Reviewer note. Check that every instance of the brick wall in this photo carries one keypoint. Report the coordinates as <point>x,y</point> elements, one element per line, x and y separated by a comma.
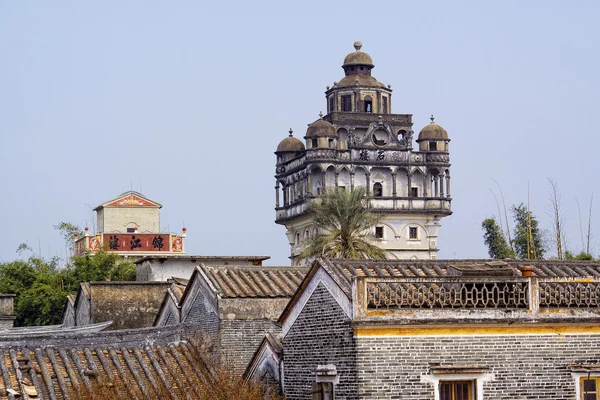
<point>241,338</point>
<point>320,335</point>
<point>523,367</point>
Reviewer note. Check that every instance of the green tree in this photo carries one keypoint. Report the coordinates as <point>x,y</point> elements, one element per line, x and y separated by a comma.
<point>344,225</point>
<point>581,256</point>
<point>41,287</point>
<point>99,266</point>
<point>528,243</point>
<point>494,239</point>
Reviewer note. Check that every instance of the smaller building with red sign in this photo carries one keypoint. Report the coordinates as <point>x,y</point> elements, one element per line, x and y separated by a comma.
<point>130,226</point>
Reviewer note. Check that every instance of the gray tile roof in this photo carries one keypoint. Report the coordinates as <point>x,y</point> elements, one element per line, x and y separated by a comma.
<point>254,282</point>
<point>64,373</point>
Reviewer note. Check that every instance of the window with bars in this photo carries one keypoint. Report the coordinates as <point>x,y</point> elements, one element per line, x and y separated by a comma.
<point>590,388</point>
<point>346,102</point>
<point>412,232</point>
<point>322,391</point>
<point>384,105</point>
<point>456,390</point>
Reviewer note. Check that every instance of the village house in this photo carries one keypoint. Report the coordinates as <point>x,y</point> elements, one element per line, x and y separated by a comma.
<point>443,330</point>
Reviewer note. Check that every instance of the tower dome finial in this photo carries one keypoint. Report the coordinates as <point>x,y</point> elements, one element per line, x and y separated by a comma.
<point>320,114</point>
<point>291,132</point>
<point>432,118</point>
<point>358,45</point>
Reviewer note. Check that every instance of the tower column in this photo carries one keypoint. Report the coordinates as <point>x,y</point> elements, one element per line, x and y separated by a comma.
<point>277,195</point>
<point>426,185</point>
<point>436,181</point>
<point>442,179</point>
<point>368,183</point>
<point>323,181</point>
<point>394,184</point>
<point>409,184</point>
<point>351,180</point>
<point>448,185</point>
<point>336,181</point>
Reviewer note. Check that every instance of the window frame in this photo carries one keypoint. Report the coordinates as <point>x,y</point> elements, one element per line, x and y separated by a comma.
<point>379,232</point>
<point>377,189</point>
<point>478,379</point>
<point>471,385</point>
<point>580,378</point>
<point>414,229</point>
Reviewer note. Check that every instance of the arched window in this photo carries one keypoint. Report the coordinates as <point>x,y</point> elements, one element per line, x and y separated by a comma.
<point>377,190</point>
<point>368,104</point>
<point>297,238</point>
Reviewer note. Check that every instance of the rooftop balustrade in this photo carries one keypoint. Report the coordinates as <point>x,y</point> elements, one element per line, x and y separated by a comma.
<point>478,297</point>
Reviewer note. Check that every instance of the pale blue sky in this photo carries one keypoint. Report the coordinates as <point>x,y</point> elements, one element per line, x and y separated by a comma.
<point>189,99</point>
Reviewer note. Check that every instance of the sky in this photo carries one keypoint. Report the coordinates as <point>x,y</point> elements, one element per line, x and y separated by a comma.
<point>186,102</point>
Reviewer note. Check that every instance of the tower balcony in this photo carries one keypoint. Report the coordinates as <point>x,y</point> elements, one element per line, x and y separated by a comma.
<point>413,205</point>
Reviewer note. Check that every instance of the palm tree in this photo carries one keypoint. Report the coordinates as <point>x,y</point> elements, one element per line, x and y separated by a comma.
<point>344,225</point>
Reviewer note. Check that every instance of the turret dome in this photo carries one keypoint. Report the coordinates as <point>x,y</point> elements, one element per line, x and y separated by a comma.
<point>358,57</point>
<point>290,145</point>
<point>433,131</point>
<point>320,128</point>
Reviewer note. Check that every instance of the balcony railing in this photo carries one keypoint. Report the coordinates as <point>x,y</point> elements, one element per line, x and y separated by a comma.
<point>519,297</point>
<point>455,294</point>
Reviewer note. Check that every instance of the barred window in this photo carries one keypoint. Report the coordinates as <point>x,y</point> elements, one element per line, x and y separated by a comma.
<point>322,391</point>
<point>590,388</point>
<point>456,390</point>
<point>347,103</point>
<point>412,232</point>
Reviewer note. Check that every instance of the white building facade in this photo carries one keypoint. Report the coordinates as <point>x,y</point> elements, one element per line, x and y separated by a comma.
<point>360,142</point>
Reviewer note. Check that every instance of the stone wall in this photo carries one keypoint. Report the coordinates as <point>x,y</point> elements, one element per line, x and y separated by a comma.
<point>520,366</point>
<point>128,304</point>
<point>320,335</point>
<point>240,339</point>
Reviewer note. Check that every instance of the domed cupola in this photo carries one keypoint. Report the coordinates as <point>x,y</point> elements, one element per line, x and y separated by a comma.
<point>358,91</point>
<point>321,134</point>
<point>433,138</point>
<point>358,62</point>
<point>289,148</point>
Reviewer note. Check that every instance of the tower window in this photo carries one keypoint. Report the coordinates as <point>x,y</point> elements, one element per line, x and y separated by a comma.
<point>412,232</point>
<point>414,192</point>
<point>432,146</point>
<point>384,105</point>
<point>379,232</point>
<point>331,143</point>
<point>377,190</point>
<point>331,104</point>
<point>368,104</point>
<point>314,143</point>
<point>347,102</point>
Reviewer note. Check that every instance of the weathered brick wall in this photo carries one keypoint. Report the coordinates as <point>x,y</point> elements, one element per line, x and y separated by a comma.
<point>320,335</point>
<point>241,338</point>
<point>523,367</point>
<point>205,319</point>
<point>83,311</point>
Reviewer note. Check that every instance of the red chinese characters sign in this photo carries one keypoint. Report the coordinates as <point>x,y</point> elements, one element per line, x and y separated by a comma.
<point>136,242</point>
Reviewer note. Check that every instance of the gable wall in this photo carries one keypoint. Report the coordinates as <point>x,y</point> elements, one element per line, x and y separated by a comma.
<point>115,219</point>
<point>240,339</point>
<point>320,335</point>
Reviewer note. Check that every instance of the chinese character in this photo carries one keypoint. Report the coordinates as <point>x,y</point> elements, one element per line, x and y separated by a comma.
<point>157,242</point>
<point>113,243</point>
<point>380,155</point>
<point>134,243</point>
<point>364,155</point>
